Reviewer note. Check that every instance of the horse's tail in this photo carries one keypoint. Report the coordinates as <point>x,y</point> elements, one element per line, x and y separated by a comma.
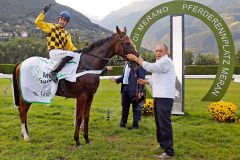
<point>15,85</point>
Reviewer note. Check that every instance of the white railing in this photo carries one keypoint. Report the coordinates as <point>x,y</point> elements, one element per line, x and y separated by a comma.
<point>235,77</point>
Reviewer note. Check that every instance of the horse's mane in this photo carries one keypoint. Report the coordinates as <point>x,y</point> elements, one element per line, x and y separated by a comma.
<point>96,44</point>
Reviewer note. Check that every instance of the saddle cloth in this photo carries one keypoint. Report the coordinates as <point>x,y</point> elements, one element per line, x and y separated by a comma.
<point>35,83</point>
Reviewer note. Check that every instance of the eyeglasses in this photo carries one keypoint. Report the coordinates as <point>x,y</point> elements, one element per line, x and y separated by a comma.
<point>159,50</point>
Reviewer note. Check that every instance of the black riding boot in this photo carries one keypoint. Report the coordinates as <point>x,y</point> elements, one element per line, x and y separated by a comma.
<point>59,67</point>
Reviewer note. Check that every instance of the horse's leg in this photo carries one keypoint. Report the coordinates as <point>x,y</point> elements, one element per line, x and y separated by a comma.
<point>23,106</point>
<point>86,118</point>
<point>23,109</point>
<point>79,109</point>
<point>74,120</point>
<point>82,124</point>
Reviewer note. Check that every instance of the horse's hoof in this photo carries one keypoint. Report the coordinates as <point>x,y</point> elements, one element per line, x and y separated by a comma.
<point>27,139</point>
<point>80,146</point>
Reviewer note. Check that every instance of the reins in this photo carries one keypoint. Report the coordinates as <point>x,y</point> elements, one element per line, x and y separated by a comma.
<point>103,58</point>
<point>108,59</point>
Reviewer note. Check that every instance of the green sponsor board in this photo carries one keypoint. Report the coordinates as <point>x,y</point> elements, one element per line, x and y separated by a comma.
<point>215,23</point>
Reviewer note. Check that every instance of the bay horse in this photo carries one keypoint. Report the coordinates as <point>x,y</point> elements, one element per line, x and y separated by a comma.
<point>94,57</point>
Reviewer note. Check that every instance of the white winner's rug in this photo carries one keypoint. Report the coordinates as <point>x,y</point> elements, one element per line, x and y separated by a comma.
<point>37,86</point>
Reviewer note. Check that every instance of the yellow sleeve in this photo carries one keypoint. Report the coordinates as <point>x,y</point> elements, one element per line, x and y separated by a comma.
<point>70,46</point>
<point>46,27</point>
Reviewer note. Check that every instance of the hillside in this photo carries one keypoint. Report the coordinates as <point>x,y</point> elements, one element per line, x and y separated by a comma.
<point>199,37</point>
<point>15,14</point>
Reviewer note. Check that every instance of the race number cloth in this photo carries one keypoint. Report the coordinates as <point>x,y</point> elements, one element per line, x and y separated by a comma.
<point>35,82</point>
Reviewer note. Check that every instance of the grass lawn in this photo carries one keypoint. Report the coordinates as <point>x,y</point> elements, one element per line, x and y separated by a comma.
<point>196,135</point>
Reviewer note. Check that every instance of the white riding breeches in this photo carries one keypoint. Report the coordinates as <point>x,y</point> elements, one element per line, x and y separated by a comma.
<point>58,54</point>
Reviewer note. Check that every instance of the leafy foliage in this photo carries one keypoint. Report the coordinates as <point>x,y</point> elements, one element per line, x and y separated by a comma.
<point>188,57</point>
<point>209,59</point>
<point>201,69</point>
<point>18,49</point>
<point>238,58</point>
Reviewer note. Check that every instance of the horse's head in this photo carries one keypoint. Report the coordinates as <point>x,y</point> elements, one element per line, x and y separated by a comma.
<point>104,49</point>
<point>124,45</point>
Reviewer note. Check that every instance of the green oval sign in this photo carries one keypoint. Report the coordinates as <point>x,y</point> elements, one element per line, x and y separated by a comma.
<point>214,22</point>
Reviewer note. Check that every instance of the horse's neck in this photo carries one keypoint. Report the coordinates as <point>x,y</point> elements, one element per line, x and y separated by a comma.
<point>98,63</point>
<point>104,51</point>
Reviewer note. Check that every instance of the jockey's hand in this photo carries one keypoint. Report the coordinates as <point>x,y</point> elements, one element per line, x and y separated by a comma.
<point>78,51</point>
<point>46,8</point>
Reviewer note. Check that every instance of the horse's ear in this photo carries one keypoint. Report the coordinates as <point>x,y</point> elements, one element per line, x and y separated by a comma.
<point>118,30</point>
<point>125,30</point>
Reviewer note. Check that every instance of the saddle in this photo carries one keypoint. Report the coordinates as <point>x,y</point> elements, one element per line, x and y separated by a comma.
<point>35,82</point>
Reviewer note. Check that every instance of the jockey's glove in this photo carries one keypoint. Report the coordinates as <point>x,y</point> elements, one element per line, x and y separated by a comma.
<point>46,8</point>
<point>78,51</point>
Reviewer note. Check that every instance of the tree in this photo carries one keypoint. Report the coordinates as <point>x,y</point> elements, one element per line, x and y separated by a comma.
<point>210,59</point>
<point>238,58</point>
<point>18,49</point>
<point>188,57</point>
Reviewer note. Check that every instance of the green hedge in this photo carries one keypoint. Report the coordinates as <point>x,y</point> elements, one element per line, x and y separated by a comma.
<point>6,68</point>
<point>205,70</point>
<point>201,69</point>
<point>237,70</point>
<point>118,70</point>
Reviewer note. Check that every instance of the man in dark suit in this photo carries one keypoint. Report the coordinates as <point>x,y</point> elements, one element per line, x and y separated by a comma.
<point>132,92</point>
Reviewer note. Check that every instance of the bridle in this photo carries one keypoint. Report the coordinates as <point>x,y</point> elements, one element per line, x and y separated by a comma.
<point>125,48</point>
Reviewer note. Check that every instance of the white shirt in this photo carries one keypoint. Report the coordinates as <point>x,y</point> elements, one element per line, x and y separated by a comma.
<point>126,74</point>
<point>163,77</point>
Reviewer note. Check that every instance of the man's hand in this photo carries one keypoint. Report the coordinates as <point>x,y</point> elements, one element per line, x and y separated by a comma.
<point>142,81</point>
<point>112,79</point>
<point>132,57</point>
<point>46,8</point>
<point>135,58</point>
<point>109,68</point>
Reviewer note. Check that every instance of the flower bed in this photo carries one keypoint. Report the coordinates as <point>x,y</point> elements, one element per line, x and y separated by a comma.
<point>223,111</point>
<point>148,107</point>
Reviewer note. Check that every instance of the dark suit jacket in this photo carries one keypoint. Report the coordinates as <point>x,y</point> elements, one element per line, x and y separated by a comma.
<point>132,81</point>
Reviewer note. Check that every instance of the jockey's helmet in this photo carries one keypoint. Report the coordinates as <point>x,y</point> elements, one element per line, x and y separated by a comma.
<point>66,15</point>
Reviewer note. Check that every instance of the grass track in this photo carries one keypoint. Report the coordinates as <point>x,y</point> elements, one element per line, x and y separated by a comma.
<point>196,135</point>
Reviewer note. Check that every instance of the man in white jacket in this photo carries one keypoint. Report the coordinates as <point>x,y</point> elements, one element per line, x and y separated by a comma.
<point>163,88</point>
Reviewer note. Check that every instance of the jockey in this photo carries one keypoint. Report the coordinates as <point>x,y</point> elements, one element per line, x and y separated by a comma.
<point>59,41</point>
